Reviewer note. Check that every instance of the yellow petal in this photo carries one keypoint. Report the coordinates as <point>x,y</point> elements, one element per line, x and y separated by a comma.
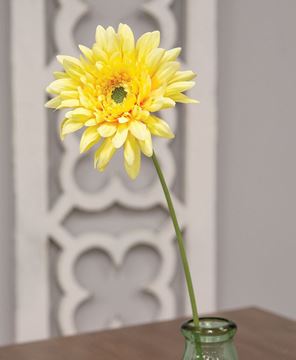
<point>183,76</point>
<point>99,65</point>
<point>154,104</point>
<point>60,85</point>
<point>126,37</point>
<point>158,92</point>
<point>172,54</point>
<point>89,138</point>
<point>120,136</point>
<point>101,37</point>
<point>107,129</point>
<point>129,152</point>
<point>99,53</point>
<point>79,114</point>
<point>104,154</point>
<point>53,103</point>
<point>168,103</point>
<point>60,75</point>
<point>72,69</point>
<point>138,113</point>
<point>85,100</point>
<point>159,104</point>
<point>123,120</point>
<point>90,122</point>
<point>116,56</point>
<point>146,43</point>
<point>71,103</point>
<point>177,87</point>
<point>166,71</point>
<point>68,126</point>
<point>145,87</point>
<point>146,146</point>
<point>112,43</point>
<point>183,99</point>
<point>72,59</point>
<point>69,94</point>
<point>133,170</point>
<point>87,52</point>
<point>138,129</point>
<point>159,127</point>
<point>132,157</point>
<point>61,128</point>
<point>153,59</point>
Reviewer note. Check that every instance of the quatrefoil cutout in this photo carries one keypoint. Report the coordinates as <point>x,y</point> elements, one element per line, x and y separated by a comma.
<point>117,293</point>
<point>158,286</point>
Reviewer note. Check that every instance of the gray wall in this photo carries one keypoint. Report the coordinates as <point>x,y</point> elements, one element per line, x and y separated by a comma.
<point>6,187</point>
<point>256,167</point>
<point>256,154</point>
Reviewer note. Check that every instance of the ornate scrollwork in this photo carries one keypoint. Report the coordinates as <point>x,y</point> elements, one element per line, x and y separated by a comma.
<point>115,191</point>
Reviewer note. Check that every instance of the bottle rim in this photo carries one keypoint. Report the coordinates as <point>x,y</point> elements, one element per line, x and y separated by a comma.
<point>211,327</point>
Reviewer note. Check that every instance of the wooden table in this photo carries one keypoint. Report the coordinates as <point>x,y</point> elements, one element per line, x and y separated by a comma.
<point>261,336</point>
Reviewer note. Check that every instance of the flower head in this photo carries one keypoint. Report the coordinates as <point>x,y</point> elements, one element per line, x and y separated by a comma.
<point>114,89</point>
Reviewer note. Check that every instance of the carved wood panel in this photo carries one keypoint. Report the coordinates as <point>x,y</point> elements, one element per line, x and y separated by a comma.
<point>80,234</point>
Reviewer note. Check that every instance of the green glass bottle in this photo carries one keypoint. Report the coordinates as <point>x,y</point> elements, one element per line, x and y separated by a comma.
<point>215,338</point>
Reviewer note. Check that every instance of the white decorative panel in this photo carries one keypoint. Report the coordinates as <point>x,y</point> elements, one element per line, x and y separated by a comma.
<point>97,250</point>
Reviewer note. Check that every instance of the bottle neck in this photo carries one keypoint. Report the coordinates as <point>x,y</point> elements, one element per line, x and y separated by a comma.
<point>212,330</point>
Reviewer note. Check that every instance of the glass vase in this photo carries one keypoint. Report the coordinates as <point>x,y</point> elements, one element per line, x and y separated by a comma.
<point>214,338</point>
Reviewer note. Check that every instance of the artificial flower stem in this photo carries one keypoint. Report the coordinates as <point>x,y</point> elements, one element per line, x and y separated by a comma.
<point>180,241</point>
<point>184,259</point>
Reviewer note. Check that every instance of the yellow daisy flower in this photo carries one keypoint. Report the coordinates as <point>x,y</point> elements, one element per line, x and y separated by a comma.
<point>113,91</point>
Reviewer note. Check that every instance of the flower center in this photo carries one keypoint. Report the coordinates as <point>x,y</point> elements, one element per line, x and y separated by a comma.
<point>119,94</point>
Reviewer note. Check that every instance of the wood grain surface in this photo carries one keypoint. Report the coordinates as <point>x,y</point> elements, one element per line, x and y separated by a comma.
<point>261,336</point>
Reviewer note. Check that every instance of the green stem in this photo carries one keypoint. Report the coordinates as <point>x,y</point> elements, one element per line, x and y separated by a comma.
<point>180,241</point>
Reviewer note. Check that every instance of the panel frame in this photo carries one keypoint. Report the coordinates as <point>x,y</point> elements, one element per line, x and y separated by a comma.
<point>201,148</point>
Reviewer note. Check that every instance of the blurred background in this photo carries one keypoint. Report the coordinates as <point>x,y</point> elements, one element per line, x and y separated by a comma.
<point>82,251</point>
